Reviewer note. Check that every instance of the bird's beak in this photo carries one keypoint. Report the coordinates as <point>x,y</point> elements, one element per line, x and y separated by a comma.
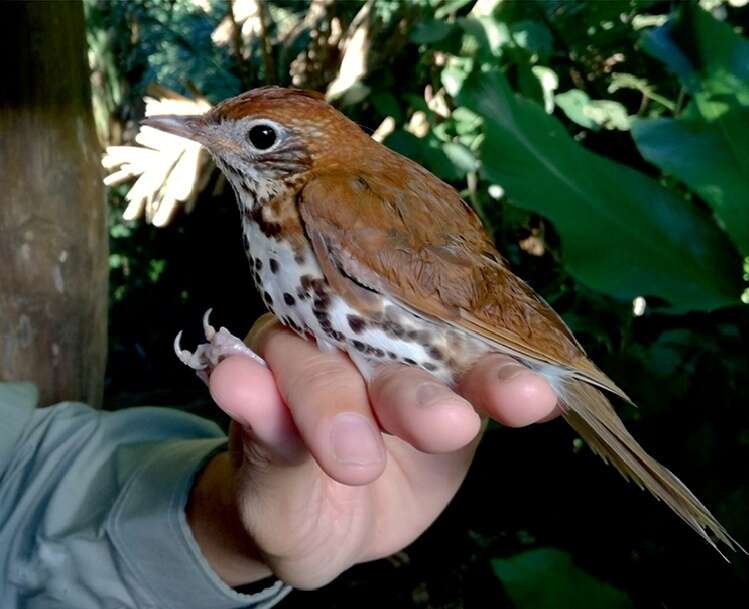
<point>190,126</point>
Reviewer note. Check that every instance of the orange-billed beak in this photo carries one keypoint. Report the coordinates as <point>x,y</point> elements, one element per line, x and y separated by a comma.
<point>190,126</point>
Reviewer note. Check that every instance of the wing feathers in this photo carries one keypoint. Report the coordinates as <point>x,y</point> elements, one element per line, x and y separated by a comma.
<point>588,411</point>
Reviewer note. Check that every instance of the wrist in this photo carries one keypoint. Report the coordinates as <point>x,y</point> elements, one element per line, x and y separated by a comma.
<point>213,516</point>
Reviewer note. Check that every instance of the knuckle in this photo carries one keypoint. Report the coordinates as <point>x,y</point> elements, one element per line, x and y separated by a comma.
<point>323,376</point>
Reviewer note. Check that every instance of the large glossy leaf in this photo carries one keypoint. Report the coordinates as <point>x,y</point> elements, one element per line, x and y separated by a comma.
<point>712,158</point>
<point>706,54</point>
<point>622,232</point>
<point>546,578</point>
<point>708,147</point>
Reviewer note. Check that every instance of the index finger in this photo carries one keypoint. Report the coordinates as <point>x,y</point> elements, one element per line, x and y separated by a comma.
<point>328,401</point>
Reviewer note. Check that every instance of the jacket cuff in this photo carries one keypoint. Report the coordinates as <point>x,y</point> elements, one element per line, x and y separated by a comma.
<point>149,530</point>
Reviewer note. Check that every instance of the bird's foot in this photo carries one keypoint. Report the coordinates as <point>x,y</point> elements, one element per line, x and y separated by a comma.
<point>221,344</point>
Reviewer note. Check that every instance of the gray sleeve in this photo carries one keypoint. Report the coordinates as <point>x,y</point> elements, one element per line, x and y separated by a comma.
<point>92,509</point>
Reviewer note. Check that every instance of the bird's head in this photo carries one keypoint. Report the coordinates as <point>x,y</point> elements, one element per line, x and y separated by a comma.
<point>264,139</point>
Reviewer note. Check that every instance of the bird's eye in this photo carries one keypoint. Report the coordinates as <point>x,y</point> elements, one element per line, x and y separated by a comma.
<point>262,137</point>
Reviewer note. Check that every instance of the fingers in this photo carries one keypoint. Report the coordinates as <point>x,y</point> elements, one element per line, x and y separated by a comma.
<point>328,401</point>
<point>318,402</point>
<point>412,405</point>
<point>508,392</point>
<point>247,392</point>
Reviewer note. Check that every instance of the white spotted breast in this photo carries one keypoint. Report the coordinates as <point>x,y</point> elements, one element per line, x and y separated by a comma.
<point>294,289</point>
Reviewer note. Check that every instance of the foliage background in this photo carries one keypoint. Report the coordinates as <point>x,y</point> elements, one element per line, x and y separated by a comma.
<point>605,144</point>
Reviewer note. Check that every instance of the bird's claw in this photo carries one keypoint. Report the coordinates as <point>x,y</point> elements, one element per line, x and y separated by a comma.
<point>208,329</point>
<point>220,345</point>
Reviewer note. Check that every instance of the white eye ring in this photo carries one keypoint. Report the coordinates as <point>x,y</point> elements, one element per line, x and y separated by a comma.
<point>263,135</point>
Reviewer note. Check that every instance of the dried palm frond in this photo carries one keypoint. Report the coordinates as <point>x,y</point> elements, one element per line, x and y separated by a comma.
<point>170,170</point>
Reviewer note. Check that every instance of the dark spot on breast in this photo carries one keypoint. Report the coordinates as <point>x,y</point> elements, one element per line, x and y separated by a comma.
<point>356,323</point>
<point>429,366</point>
<point>258,264</point>
<point>434,353</point>
<point>409,361</point>
<point>392,355</point>
<point>245,241</point>
<point>359,346</point>
<point>268,299</point>
<point>376,352</point>
<point>273,265</point>
<point>393,329</point>
<point>301,293</point>
<point>299,258</point>
<point>288,299</point>
<point>268,228</point>
<point>336,335</point>
<point>412,335</point>
<point>321,302</point>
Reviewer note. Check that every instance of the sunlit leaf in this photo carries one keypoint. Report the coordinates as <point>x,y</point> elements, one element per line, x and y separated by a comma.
<point>533,36</point>
<point>592,113</point>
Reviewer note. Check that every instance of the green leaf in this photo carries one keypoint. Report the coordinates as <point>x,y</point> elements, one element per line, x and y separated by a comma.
<point>573,104</point>
<point>592,113</point>
<point>461,157</point>
<point>712,158</point>
<point>386,104</point>
<point>533,36</point>
<point>549,82</point>
<point>490,34</point>
<point>449,7</point>
<point>706,54</point>
<point>426,151</point>
<point>546,578</point>
<point>430,31</point>
<point>622,233</point>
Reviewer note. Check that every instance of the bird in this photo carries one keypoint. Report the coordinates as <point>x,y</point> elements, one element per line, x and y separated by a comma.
<point>360,249</point>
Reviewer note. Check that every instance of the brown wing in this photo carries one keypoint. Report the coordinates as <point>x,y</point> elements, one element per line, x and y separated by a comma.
<point>418,242</point>
<point>421,244</point>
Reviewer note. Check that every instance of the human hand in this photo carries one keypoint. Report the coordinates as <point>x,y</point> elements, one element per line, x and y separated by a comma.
<point>323,472</point>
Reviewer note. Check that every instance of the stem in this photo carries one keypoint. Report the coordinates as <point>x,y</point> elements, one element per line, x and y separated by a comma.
<point>236,40</point>
<point>265,47</point>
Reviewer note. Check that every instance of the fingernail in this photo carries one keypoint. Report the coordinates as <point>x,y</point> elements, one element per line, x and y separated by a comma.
<point>429,393</point>
<point>510,371</point>
<point>354,440</point>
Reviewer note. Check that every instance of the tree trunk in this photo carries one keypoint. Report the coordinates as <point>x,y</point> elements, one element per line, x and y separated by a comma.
<point>53,238</point>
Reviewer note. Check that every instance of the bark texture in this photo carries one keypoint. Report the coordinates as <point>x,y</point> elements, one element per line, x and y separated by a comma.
<point>53,238</point>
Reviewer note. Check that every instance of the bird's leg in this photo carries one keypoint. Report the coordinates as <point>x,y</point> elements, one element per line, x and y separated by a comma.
<point>221,344</point>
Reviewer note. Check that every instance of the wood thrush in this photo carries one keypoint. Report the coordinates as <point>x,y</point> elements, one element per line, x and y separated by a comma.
<point>363,250</point>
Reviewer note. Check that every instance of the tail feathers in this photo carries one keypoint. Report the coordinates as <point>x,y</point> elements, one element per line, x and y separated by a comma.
<point>590,413</point>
